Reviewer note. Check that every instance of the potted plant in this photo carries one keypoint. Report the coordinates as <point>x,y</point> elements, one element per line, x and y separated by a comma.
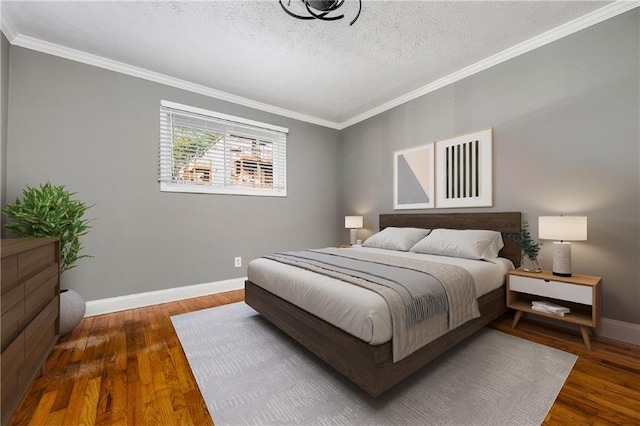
<point>530,249</point>
<point>50,211</point>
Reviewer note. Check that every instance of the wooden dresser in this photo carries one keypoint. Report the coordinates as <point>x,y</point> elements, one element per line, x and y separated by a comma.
<point>30,307</point>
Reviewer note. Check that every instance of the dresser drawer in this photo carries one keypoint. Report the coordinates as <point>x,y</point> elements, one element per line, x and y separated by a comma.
<point>553,289</point>
<point>12,361</point>
<point>9,273</point>
<point>42,329</point>
<point>39,338</point>
<point>44,288</point>
<point>35,260</point>
<point>10,323</point>
<point>36,282</point>
<point>12,297</point>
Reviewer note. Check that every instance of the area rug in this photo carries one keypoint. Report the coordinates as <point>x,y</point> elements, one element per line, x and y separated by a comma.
<point>249,372</point>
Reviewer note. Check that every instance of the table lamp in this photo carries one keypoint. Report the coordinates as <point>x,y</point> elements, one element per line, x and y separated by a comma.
<point>562,229</point>
<point>353,223</point>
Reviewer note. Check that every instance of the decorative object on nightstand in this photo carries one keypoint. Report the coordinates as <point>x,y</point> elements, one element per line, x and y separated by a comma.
<point>550,308</point>
<point>576,299</point>
<point>353,223</point>
<point>564,229</point>
<point>530,249</point>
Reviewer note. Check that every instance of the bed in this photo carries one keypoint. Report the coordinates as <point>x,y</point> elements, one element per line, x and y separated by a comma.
<point>371,365</point>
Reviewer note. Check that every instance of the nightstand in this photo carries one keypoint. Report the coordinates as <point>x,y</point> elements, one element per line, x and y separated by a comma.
<point>581,293</point>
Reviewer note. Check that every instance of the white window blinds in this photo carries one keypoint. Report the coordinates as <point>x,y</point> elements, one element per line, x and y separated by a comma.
<point>204,151</point>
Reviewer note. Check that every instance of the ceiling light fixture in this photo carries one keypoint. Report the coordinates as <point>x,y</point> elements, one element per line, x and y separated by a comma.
<point>320,9</point>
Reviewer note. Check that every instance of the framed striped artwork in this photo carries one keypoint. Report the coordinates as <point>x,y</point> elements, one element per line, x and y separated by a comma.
<point>413,178</point>
<point>464,170</point>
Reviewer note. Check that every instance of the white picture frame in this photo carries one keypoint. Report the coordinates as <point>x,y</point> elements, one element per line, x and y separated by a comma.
<point>464,170</point>
<point>414,178</point>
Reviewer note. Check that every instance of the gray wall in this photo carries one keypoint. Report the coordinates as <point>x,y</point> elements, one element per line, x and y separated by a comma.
<point>4,108</point>
<point>96,132</point>
<point>566,141</point>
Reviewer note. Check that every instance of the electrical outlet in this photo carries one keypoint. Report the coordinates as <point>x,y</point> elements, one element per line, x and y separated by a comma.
<point>238,262</point>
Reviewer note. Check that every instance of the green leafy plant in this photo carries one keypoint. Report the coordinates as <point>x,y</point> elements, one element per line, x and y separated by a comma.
<point>527,244</point>
<point>50,211</point>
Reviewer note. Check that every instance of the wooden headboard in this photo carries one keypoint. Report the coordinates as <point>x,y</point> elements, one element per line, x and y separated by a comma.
<point>508,223</point>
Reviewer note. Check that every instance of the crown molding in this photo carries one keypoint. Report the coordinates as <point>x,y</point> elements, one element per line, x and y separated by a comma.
<point>609,11</point>
<point>595,17</point>
<point>123,68</point>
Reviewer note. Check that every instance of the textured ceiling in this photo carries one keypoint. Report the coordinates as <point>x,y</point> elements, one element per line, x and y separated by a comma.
<point>327,70</point>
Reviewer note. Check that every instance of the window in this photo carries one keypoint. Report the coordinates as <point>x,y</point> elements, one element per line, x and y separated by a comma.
<point>209,152</point>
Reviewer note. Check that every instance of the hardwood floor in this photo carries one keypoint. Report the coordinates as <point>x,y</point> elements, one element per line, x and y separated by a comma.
<point>129,368</point>
<point>122,368</point>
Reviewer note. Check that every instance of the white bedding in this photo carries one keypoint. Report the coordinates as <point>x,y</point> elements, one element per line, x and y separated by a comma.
<point>356,310</point>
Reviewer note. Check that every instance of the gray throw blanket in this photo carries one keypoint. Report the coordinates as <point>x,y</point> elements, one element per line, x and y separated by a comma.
<point>422,293</point>
<point>457,282</point>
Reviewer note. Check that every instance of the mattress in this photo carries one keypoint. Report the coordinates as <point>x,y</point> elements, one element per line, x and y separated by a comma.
<point>356,310</point>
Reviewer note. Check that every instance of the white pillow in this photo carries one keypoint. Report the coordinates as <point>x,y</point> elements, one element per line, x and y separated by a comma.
<point>467,243</point>
<point>401,239</point>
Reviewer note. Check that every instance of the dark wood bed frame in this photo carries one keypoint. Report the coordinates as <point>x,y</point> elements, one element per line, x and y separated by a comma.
<point>372,367</point>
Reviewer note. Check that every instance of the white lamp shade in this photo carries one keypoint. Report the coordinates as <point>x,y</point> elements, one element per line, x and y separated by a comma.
<point>562,228</point>
<point>353,222</point>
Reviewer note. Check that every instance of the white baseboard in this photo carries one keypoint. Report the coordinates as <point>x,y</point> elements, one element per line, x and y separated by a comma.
<point>619,330</point>
<point>139,300</point>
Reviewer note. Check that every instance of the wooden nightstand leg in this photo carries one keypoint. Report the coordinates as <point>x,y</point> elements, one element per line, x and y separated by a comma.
<point>585,336</point>
<point>594,332</point>
<point>516,318</point>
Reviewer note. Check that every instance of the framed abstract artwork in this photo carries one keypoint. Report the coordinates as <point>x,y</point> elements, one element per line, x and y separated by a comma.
<point>413,178</point>
<point>464,170</point>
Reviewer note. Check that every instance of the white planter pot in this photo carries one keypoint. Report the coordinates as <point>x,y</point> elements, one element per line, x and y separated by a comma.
<point>72,309</point>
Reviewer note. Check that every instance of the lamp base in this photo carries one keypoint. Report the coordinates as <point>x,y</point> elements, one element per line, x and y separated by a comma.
<point>353,236</point>
<point>562,259</point>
